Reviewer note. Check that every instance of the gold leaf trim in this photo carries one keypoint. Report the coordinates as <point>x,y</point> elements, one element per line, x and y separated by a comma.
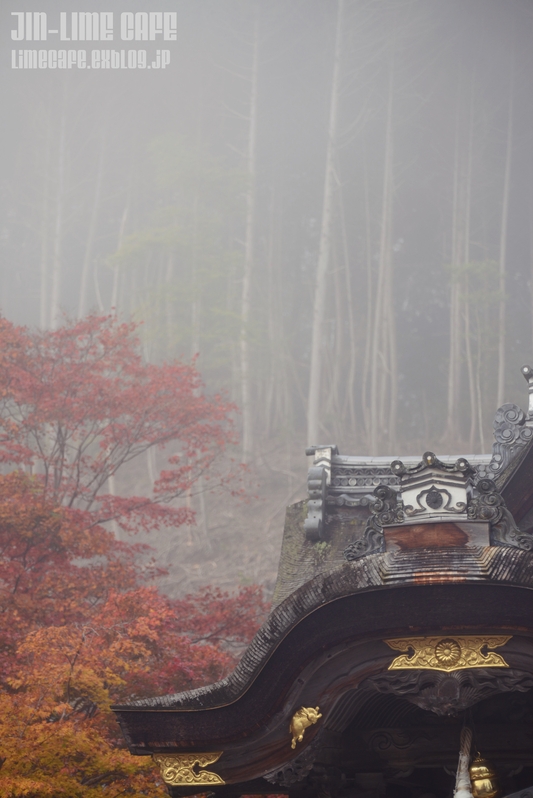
<point>179,769</point>
<point>448,653</point>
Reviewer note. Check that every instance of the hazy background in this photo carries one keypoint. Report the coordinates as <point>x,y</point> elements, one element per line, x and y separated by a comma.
<point>215,201</point>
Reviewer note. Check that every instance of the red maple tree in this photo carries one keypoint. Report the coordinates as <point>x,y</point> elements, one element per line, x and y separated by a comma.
<point>81,627</point>
<point>78,403</point>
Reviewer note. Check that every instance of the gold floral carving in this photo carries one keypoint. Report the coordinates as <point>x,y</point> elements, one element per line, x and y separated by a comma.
<point>448,653</point>
<point>180,769</point>
<point>301,720</point>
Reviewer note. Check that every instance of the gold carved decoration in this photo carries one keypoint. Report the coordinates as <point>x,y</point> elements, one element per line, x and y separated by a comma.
<point>179,769</point>
<point>448,653</point>
<point>301,720</point>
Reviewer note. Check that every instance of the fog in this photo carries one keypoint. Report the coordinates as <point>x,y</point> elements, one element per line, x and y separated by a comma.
<point>329,201</point>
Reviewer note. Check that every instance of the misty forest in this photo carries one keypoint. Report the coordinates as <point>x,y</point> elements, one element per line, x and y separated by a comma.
<point>314,226</point>
<point>328,206</point>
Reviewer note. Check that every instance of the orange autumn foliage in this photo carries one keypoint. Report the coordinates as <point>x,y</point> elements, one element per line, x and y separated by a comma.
<point>80,629</point>
<point>81,624</point>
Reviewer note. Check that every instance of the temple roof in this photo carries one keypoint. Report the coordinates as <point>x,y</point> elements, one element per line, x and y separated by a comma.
<point>384,550</point>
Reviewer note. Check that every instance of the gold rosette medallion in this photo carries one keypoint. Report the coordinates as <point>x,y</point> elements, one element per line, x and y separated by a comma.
<point>448,653</point>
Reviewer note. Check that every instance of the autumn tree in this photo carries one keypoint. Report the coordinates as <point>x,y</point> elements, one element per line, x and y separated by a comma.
<point>78,404</point>
<point>81,626</point>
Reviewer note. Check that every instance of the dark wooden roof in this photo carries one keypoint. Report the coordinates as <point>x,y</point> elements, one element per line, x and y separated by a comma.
<point>340,616</point>
<point>323,643</point>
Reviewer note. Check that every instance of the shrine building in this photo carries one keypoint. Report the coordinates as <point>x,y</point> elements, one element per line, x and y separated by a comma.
<point>397,660</point>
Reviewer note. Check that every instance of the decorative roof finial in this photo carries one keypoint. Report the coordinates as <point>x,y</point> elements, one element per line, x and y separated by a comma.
<point>527,371</point>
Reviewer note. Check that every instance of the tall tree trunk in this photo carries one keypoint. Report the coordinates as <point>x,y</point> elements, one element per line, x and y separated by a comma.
<point>324,249</point>
<point>382,361</point>
<point>97,292</point>
<point>503,250</point>
<point>45,222</point>
<point>273,318</point>
<point>349,397</point>
<point>195,287</point>
<point>246,399</point>
<point>196,310</point>
<point>89,243</point>
<point>479,357</point>
<point>166,304</point>
<point>454,360</point>
<point>336,362</point>
<point>117,267</point>
<point>58,226</point>
<point>392,393</point>
<point>470,372</point>
<point>196,305</point>
<point>530,185</point>
<point>466,278</point>
<point>365,400</point>
<point>460,256</point>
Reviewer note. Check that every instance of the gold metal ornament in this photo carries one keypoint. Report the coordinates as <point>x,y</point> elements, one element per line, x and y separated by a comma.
<point>448,653</point>
<point>483,779</point>
<point>301,720</point>
<point>179,769</point>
